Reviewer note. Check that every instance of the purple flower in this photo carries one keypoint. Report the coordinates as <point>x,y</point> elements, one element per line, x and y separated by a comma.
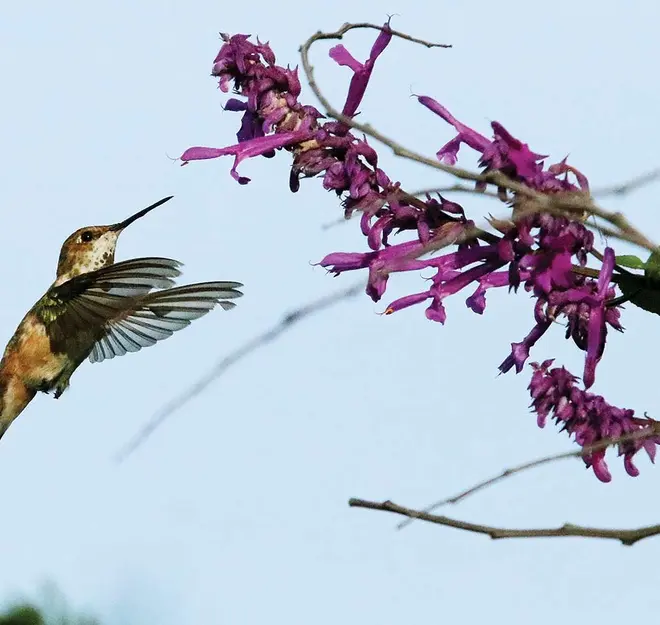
<point>507,154</point>
<point>380,264</point>
<point>588,417</point>
<point>246,149</point>
<point>544,246</point>
<point>271,104</point>
<point>449,152</point>
<point>584,304</point>
<point>361,71</point>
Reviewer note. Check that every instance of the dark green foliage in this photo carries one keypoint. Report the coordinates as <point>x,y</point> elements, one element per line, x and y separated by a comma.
<point>641,290</point>
<point>29,614</point>
<point>22,615</point>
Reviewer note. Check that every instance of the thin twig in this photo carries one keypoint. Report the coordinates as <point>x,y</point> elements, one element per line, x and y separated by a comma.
<point>455,188</point>
<point>629,186</point>
<point>539,202</point>
<point>287,322</point>
<point>339,34</point>
<point>333,224</point>
<point>581,204</point>
<point>651,431</point>
<point>624,536</point>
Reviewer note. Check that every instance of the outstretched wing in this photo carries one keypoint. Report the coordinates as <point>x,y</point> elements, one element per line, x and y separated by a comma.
<point>158,315</point>
<point>114,309</point>
<point>82,305</point>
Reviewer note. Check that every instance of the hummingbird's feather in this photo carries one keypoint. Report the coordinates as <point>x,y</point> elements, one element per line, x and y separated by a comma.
<point>158,315</point>
<point>127,278</point>
<point>83,304</point>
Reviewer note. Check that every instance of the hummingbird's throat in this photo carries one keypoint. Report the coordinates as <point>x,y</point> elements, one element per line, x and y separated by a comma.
<point>81,258</point>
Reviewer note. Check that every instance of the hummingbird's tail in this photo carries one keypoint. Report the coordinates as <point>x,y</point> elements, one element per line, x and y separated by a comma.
<point>159,314</point>
<point>15,395</point>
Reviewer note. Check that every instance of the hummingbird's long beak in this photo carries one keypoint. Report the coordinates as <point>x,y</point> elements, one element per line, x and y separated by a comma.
<point>127,222</point>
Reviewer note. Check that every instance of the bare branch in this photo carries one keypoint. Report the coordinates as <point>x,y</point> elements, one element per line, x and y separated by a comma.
<point>624,536</point>
<point>287,322</point>
<point>581,204</point>
<point>652,431</point>
<point>339,34</point>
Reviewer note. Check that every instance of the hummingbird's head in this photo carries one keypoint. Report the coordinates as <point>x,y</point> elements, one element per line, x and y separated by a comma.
<point>93,247</point>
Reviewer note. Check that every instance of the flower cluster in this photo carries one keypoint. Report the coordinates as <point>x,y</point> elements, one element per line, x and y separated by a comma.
<point>273,118</point>
<point>538,251</point>
<point>589,418</point>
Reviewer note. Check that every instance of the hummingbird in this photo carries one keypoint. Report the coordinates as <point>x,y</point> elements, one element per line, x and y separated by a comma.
<point>98,309</point>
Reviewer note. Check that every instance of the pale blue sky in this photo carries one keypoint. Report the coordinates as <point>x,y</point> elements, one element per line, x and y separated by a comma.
<point>235,511</point>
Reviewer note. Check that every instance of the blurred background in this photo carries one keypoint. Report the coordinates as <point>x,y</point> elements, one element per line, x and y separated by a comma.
<point>235,511</point>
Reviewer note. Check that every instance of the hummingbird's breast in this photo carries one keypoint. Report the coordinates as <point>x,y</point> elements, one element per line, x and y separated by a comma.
<point>28,365</point>
<point>29,356</point>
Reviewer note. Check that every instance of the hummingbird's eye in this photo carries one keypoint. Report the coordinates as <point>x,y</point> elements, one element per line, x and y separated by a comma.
<point>86,236</point>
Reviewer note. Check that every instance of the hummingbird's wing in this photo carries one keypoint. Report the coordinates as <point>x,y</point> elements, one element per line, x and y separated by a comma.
<point>113,309</point>
<point>128,278</point>
<point>80,307</point>
<point>158,315</point>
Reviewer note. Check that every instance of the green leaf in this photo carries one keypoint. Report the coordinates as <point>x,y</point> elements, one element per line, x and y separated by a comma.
<point>652,265</point>
<point>630,261</point>
<point>22,615</point>
<point>646,299</point>
<point>643,291</point>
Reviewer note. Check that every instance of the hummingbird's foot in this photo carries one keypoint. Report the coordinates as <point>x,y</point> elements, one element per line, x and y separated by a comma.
<point>60,383</point>
<point>61,386</point>
<point>44,386</point>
